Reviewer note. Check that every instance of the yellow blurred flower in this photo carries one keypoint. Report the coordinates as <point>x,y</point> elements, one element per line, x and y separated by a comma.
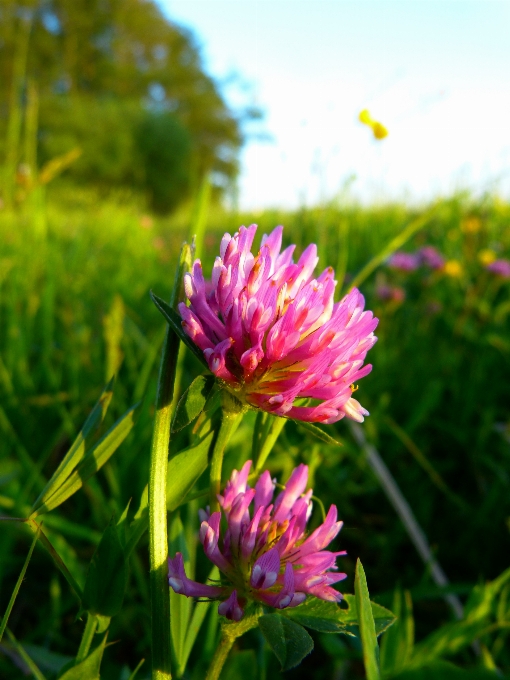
<point>471,225</point>
<point>486,256</point>
<point>378,129</point>
<point>453,268</point>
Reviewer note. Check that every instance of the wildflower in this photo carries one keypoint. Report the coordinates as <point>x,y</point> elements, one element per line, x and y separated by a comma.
<point>271,332</point>
<point>500,268</point>
<point>264,554</point>
<point>471,225</point>
<point>431,257</point>
<point>405,262</point>
<point>393,293</point>
<point>486,256</point>
<point>378,129</point>
<point>453,268</point>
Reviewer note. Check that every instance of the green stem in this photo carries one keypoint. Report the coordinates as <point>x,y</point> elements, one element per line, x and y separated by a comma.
<point>231,413</point>
<point>229,634</point>
<point>270,435</point>
<point>220,656</point>
<point>158,533</point>
<point>87,637</point>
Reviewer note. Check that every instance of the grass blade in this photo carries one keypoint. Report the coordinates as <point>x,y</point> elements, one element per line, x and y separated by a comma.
<point>366,624</point>
<point>17,586</point>
<point>92,462</point>
<point>78,448</point>
<point>31,664</point>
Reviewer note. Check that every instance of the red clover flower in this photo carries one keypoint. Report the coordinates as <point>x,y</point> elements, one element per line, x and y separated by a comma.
<point>264,555</point>
<point>272,333</point>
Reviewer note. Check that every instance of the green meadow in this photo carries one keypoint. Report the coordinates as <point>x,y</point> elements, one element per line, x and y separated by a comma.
<point>76,270</point>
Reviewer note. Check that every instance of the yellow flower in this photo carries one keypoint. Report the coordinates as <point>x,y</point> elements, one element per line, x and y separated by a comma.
<point>471,225</point>
<point>378,129</point>
<point>486,256</point>
<point>453,268</point>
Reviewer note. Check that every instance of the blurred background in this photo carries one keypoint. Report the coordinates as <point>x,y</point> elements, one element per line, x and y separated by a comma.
<point>378,130</point>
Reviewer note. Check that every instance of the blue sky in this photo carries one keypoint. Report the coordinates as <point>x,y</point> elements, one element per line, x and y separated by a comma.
<point>435,73</point>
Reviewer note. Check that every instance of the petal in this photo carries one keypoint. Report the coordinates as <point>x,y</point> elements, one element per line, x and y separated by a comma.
<point>265,570</point>
<point>231,608</point>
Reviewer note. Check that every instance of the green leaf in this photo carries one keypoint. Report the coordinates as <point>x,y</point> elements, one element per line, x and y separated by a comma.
<point>329,617</point>
<point>17,586</point>
<point>91,463</point>
<point>88,669</point>
<point>318,433</point>
<point>107,576</point>
<point>78,448</point>
<point>452,637</point>
<point>175,323</point>
<point>397,643</point>
<point>184,469</point>
<point>289,641</point>
<point>366,624</point>
<point>193,401</point>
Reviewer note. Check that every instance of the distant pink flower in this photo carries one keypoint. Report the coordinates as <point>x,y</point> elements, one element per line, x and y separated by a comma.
<point>431,257</point>
<point>500,268</point>
<point>393,293</point>
<point>272,333</point>
<point>405,262</point>
<point>264,554</point>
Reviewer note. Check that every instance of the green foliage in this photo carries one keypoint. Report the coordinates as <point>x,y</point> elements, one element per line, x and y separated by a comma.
<point>192,402</point>
<point>104,589</point>
<point>440,374</point>
<point>88,669</point>
<point>366,625</point>
<point>288,640</point>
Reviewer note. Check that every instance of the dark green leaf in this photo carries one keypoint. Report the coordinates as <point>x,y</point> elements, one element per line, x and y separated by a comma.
<point>193,401</point>
<point>366,624</point>
<point>289,641</point>
<point>184,469</point>
<point>107,576</point>
<point>88,669</point>
<point>329,617</point>
<point>318,433</point>
<point>175,322</point>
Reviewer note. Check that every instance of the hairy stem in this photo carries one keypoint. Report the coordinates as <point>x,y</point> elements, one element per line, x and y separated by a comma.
<point>87,637</point>
<point>229,634</point>
<point>158,533</point>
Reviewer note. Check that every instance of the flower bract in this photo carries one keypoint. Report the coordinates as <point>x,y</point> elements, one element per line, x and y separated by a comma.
<point>265,554</point>
<point>272,333</point>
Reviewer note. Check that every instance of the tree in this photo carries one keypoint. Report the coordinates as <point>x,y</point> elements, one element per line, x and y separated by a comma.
<point>121,67</point>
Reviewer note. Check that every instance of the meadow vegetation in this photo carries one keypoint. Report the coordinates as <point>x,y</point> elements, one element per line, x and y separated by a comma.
<point>75,276</point>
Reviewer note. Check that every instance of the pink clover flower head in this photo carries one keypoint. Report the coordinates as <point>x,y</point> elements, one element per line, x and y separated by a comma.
<point>404,262</point>
<point>265,554</point>
<point>431,257</point>
<point>500,268</point>
<point>271,332</point>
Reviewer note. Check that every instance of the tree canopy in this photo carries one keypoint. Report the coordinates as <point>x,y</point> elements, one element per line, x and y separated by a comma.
<point>127,85</point>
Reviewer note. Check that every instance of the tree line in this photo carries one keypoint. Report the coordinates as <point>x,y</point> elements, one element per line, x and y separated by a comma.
<point>125,85</point>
